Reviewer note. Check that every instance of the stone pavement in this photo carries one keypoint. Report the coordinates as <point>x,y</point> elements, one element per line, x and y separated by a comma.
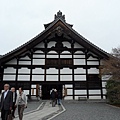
<point>41,110</point>
<point>32,105</point>
<point>75,110</point>
<point>41,114</point>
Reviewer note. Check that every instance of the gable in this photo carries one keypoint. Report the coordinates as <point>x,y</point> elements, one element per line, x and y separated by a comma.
<point>55,32</point>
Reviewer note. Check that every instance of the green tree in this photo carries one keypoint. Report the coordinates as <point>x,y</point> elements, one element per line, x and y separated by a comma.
<point>111,68</point>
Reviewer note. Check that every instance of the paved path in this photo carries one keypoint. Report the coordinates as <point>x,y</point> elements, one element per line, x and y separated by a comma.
<point>40,114</point>
<point>75,110</point>
<point>32,105</point>
<point>88,111</point>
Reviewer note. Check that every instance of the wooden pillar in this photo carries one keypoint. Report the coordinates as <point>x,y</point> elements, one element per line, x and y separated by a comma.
<point>72,46</point>
<point>59,66</point>
<point>30,73</point>
<point>37,90</point>
<point>45,44</point>
<point>100,78</point>
<point>1,78</point>
<point>87,84</point>
<point>16,77</point>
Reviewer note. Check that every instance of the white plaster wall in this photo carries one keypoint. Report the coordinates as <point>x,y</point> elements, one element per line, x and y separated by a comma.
<point>65,52</point>
<point>80,77</point>
<point>51,77</point>
<point>67,44</point>
<point>25,58</point>
<point>33,92</point>
<point>80,52</point>
<point>24,71</point>
<point>38,61</point>
<point>65,56</point>
<point>51,44</point>
<point>91,58</point>
<point>9,77</point>
<point>79,61</point>
<point>104,97</point>
<point>68,98</point>
<point>38,51</point>
<point>52,52</point>
<point>37,77</point>
<point>65,77</point>
<point>93,71</point>
<point>52,71</point>
<point>76,45</point>
<point>9,70</point>
<point>68,86</point>
<point>92,63</point>
<point>76,97</point>
<point>94,97</point>
<point>33,86</point>
<point>65,71</point>
<point>103,84</point>
<point>104,91</point>
<point>92,54</point>
<point>40,45</point>
<point>52,56</point>
<point>24,62</point>
<point>79,56</point>
<point>13,61</point>
<point>23,77</point>
<point>79,71</point>
<point>69,92</point>
<point>38,56</point>
<point>38,71</point>
<point>94,92</point>
<point>80,92</point>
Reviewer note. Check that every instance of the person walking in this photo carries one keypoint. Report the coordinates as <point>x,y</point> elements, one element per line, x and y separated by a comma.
<point>59,97</point>
<point>21,102</point>
<point>14,101</point>
<point>0,99</point>
<point>53,98</point>
<point>56,96</point>
<point>6,102</point>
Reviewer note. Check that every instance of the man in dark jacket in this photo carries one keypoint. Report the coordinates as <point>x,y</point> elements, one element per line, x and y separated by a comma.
<point>6,102</point>
<point>14,101</point>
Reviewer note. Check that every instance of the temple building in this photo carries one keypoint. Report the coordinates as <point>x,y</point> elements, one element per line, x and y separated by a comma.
<point>58,58</point>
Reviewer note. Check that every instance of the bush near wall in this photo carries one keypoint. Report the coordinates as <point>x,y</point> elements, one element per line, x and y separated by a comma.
<point>113,92</point>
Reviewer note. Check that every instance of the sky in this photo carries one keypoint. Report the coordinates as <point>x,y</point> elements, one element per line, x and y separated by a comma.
<point>96,20</point>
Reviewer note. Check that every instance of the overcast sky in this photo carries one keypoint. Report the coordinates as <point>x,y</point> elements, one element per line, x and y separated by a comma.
<point>96,20</point>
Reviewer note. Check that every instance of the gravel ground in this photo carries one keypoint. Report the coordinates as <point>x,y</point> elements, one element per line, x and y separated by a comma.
<point>88,111</point>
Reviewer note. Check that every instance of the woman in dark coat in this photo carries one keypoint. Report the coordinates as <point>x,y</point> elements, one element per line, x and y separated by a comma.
<point>53,98</point>
<point>59,97</point>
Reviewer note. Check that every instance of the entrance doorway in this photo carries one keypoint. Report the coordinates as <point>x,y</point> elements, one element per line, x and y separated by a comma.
<point>47,88</point>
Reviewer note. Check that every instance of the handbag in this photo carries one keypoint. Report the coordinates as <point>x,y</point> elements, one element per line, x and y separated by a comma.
<point>10,116</point>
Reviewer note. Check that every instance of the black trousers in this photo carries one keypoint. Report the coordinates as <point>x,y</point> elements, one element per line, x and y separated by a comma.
<point>4,114</point>
<point>13,109</point>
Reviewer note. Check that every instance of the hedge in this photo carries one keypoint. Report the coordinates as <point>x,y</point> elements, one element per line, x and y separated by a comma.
<point>113,91</point>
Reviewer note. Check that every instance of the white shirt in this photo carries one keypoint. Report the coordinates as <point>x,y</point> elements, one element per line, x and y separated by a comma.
<point>13,96</point>
<point>5,93</point>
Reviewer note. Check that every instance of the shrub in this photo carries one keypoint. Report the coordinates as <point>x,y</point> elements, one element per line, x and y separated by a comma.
<point>113,91</point>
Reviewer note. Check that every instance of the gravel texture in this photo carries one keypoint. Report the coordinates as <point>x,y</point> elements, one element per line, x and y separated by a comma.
<point>88,111</point>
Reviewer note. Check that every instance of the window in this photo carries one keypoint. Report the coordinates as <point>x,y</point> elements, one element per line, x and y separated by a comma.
<point>94,81</point>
